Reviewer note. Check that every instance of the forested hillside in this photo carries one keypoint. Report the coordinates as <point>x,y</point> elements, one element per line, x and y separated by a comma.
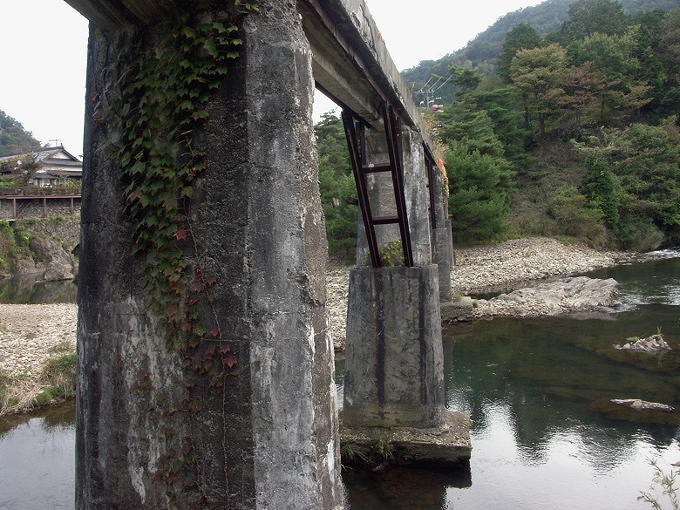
<point>482,52</point>
<point>14,139</point>
<point>573,134</point>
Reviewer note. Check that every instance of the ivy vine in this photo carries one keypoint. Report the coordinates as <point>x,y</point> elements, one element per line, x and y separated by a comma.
<point>164,97</point>
<point>162,100</point>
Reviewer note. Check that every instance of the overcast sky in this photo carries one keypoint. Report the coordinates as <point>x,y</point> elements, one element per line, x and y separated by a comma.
<point>43,45</point>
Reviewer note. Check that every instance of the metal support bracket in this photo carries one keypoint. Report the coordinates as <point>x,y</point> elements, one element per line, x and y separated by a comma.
<point>356,141</point>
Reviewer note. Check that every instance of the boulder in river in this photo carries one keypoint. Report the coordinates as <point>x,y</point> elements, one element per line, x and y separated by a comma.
<point>643,405</point>
<point>566,295</point>
<point>654,343</point>
<point>637,410</point>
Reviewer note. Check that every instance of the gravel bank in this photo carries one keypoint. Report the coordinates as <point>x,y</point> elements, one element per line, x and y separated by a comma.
<point>28,333</point>
<point>510,264</point>
<point>493,267</point>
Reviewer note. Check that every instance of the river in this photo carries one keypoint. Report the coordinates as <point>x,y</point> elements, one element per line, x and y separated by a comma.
<point>528,385</point>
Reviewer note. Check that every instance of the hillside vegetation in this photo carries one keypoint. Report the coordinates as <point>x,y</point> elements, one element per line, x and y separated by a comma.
<point>571,134</point>
<point>14,139</point>
<point>483,51</point>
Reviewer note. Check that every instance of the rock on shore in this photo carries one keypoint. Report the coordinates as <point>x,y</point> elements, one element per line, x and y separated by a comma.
<point>504,267</point>
<point>509,265</point>
<point>566,295</point>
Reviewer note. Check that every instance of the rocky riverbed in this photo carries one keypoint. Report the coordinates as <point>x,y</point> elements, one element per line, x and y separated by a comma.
<point>30,333</point>
<point>491,268</point>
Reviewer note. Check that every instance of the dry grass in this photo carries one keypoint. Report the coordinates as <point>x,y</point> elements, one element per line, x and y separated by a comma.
<point>56,383</point>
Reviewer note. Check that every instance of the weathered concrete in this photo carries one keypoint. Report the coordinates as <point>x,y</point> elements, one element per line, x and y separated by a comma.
<point>270,441</point>
<point>443,257</point>
<point>446,444</point>
<point>394,362</point>
<point>442,237</point>
<point>356,68</point>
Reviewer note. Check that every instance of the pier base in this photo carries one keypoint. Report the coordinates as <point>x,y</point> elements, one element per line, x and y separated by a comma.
<point>394,395</point>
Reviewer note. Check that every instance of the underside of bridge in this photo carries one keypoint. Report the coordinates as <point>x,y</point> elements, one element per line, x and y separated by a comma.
<point>239,411</point>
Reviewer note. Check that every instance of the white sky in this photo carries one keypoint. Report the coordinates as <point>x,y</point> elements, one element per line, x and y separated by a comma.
<point>43,46</point>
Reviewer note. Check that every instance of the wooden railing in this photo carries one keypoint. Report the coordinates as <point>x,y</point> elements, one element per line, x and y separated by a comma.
<point>39,191</point>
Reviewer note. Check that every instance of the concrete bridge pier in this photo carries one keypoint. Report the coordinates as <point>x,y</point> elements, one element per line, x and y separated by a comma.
<point>150,433</point>
<point>442,236</point>
<point>394,395</point>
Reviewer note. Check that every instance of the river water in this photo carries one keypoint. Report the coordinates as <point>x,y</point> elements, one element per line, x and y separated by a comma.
<point>528,385</point>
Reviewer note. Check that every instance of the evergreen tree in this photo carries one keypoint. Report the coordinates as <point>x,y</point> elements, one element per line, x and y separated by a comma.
<point>471,127</point>
<point>480,186</point>
<point>599,187</point>
<point>646,160</point>
<point>521,37</point>
<point>589,17</point>
<point>466,78</point>
<point>337,186</point>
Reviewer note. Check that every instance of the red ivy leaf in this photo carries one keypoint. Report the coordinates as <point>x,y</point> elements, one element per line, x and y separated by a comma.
<point>181,234</point>
<point>192,301</point>
<point>196,287</point>
<point>225,349</point>
<point>141,375</point>
<point>214,332</point>
<point>210,280</point>
<point>185,396</point>
<point>134,196</point>
<point>229,360</point>
<point>186,449</point>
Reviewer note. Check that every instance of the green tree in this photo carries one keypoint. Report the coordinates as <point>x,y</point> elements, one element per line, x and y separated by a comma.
<point>622,90</point>
<point>336,183</point>
<point>466,78</point>
<point>522,37</point>
<point>646,161</point>
<point>480,186</point>
<point>589,17</point>
<point>599,187</point>
<point>539,74</point>
<point>462,122</point>
<point>669,46</point>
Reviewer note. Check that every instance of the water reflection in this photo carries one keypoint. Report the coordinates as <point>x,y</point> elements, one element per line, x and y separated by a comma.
<point>402,488</point>
<point>529,385</point>
<point>27,290</point>
<point>37,460</point>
